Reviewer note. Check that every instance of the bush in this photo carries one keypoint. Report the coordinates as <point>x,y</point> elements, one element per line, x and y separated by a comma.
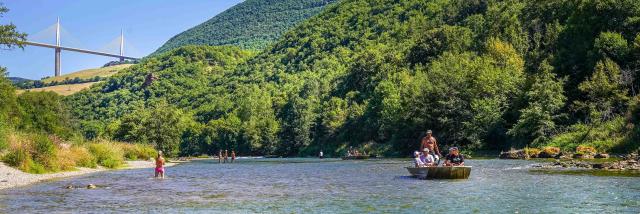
<point>138,151</point>
<point>78,156</point>
<point>107,154</point>
<point>532,152</point>
<point>44,152</point>
<point>549,152</point>
<point>586,150</point>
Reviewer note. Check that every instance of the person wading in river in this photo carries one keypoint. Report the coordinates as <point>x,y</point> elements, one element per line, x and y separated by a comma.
<point>226,156</point>
<point>220,156</point>
<point>160,165</point>
<point>233,156</point>
<point>430,143</point>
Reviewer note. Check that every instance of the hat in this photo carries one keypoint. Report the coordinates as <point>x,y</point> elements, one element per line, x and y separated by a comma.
<point>453,148</point>
<point>416,153</point>
<point>429,132</point>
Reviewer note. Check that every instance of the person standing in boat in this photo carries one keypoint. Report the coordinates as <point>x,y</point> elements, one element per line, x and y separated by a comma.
<point>430,143</point>
<point>454,158</point>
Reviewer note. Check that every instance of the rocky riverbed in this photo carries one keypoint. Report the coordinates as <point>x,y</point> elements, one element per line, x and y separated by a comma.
<point>627,162</point>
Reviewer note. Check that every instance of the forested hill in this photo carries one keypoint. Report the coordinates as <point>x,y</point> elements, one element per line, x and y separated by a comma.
<point>377,73</point>
<point>252,24</point>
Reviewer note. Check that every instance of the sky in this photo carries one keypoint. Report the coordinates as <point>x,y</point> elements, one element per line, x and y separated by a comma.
<point>96,25</point>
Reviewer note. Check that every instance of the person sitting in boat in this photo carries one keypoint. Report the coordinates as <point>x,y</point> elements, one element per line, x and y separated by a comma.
<point>427,158</point>
<point>418,159</point>
<point>431,143</point>
<point>454,158</point>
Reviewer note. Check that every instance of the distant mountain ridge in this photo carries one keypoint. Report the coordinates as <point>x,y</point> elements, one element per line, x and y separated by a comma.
<point>252,24</point>
<point>18,79</point>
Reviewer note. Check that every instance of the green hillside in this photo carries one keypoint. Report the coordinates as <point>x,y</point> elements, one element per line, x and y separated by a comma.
<point>89,73</point>
<point>252,24</point>
<point>377,73</point>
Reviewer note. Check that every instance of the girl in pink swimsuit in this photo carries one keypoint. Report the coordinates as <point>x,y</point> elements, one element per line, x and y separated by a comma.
<point>160,165</point>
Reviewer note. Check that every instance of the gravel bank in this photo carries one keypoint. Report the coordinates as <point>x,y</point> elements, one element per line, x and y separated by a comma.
<point>11,177</point>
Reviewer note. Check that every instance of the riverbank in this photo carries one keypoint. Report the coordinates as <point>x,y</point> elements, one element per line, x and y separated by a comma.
<point>11,177</point>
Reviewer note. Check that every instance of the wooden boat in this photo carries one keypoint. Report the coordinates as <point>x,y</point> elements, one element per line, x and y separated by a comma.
<point>356,157</point>
<point>441,172</point>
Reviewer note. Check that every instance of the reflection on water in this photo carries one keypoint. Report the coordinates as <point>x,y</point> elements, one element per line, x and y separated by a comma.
<point>329,186</point>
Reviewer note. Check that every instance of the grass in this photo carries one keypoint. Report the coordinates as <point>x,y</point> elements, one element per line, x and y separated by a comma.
<point>63,90</point>
<point>39,153</point>
<point>89,73</point>
<point>605,137</point>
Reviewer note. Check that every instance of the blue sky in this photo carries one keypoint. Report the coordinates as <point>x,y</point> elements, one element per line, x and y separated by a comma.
<point>94,24</point>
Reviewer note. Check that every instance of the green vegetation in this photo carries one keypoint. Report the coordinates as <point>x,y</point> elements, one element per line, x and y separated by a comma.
<point>252,24</point>
<point>83,76</point>
<point>376,74</point>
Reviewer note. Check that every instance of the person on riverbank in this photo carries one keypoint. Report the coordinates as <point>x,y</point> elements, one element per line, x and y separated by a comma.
<point>321,154</point>
<point>220,156</point>
<point>454,158</point>
<point>233,156</point>
<point>226,156</point>
<point>427,158</point>
<point>430,143</point>
<point>159,165</point>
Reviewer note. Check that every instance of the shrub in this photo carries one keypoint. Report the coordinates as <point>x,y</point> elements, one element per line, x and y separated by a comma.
<point>77,156</point>
<point>549,152</point>
<point>586,150</point>
<point>138,151</point>
<point>532,152</point>
<point>44,152</point>
<point>107,154</point>
<point>19,158</point>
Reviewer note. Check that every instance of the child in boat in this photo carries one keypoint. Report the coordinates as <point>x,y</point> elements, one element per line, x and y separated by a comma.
<point>454,158</point>
<point>160,165</point>
<point>427,158</point>
<point>417,159</point>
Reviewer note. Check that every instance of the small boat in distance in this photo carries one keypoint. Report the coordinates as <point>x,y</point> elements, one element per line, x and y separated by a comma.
<point>356,157</point>
<point>441,172</point>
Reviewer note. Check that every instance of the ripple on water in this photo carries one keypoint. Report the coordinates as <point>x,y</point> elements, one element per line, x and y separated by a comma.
<point>329,186</point>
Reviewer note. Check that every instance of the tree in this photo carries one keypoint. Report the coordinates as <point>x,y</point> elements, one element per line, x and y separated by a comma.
<point>606,96</point>
<point>611,45</point>
<point>544,99</point>
<point>9,36</point>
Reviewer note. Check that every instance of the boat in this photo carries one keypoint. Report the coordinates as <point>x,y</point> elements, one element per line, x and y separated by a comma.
<point>356,157</point>
<point>441,172</point>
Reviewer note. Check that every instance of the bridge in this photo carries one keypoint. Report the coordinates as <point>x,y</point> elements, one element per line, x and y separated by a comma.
<point>58,49</point>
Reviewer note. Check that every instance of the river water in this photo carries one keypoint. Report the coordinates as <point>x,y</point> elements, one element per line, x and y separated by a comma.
<point>328,186</point>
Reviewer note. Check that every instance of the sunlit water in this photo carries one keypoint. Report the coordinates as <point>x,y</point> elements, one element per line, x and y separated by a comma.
<point>328,186</point>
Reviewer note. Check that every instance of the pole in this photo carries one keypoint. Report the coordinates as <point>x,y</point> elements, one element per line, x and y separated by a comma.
<point>58,50</point>
<point>121,46</point>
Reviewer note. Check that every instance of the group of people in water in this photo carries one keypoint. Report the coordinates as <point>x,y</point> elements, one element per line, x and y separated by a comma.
<point>429,154</point>
<point>225,158</point>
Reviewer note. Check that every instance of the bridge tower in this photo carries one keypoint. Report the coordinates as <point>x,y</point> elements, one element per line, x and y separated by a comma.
<point>57,49</point>
<point>121,46</point>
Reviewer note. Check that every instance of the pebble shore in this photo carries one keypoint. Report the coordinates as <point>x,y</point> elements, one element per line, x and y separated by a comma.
<point>11,177</point>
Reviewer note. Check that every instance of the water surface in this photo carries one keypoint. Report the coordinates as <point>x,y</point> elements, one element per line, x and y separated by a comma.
<point>329,186</point>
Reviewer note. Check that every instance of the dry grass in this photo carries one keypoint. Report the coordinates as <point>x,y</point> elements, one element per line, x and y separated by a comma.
<point>90,73</point>
<point>63,90</point>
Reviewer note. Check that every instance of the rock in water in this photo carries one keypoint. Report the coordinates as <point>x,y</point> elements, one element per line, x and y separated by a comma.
<point>601,156</point>
<point>69,187</point>
<point>91,186</point>
<point>513,154</point>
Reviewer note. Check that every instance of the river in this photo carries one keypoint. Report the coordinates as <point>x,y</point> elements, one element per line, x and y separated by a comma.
<point>328,186</point>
